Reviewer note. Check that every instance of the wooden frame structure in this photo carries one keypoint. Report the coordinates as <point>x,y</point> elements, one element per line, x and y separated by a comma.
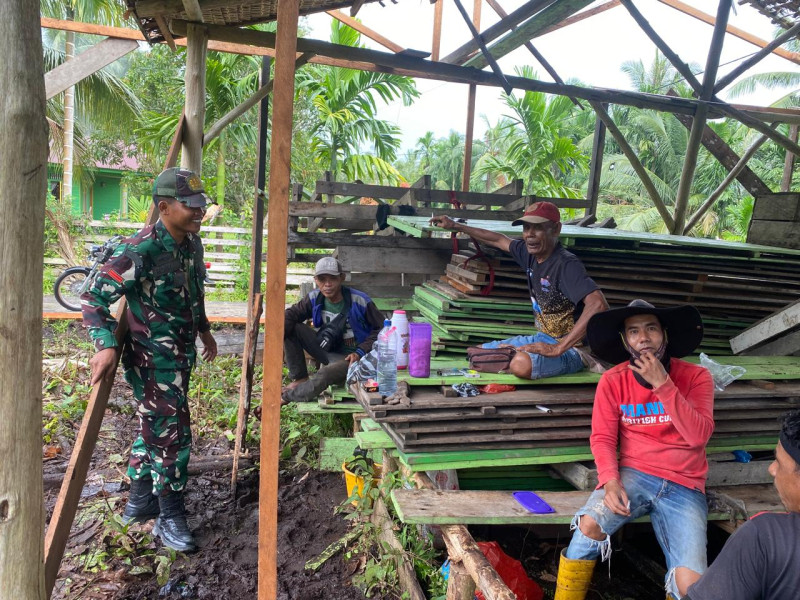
<point>216,24</point>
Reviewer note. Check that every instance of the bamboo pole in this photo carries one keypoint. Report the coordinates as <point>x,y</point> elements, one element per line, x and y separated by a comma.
<point>23,186</point>
<point>280,170</point>
<point>195,111</point>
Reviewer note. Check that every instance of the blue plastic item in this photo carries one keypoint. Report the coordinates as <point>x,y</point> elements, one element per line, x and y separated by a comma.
<point>533,503</point>
<point>742,456</point>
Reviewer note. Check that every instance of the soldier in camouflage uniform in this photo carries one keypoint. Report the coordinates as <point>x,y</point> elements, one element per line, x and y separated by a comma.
<point>160,271</point>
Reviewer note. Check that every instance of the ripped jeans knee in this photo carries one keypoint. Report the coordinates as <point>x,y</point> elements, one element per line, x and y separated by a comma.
<point>582,547</point>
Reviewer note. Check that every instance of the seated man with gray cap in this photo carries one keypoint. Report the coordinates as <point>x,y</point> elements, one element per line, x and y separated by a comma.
<point>658,410</point>
<point>345,323</point>
<point>563,295</point>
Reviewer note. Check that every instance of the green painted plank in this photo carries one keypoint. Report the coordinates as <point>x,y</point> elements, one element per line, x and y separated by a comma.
<point>338,408</point>
<point>370,440</point>
<point>370,425</point>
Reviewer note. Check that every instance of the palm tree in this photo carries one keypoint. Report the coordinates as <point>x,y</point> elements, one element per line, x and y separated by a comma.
<point>538,150</point>
<point>99,100</point>
<point>230,79</point>
<point>345,108</point>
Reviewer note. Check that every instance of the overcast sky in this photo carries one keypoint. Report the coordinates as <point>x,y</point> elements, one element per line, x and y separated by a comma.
<point>592,51</point>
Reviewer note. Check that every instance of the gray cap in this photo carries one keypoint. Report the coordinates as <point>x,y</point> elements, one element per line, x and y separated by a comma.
<point>328,266</point>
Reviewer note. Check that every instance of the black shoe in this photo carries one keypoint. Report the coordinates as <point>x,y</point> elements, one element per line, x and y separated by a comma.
<point>171,525</point>
<point>142,504</point>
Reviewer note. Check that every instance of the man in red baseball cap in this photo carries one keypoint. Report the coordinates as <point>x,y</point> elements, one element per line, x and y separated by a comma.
<point>564,297</point>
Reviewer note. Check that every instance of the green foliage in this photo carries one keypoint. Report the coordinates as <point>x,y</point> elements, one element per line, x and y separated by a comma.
<point>138,208</point>
<point>301,434</point>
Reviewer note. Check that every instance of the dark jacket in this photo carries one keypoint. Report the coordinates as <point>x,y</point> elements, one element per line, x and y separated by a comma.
<point>363,316</point>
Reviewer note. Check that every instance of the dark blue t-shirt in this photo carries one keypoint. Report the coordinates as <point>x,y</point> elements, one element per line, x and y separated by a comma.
<point>557,287</point>
<point>761,561</point>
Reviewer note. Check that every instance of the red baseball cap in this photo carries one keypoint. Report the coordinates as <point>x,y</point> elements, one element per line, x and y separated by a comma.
<point>540,212</point>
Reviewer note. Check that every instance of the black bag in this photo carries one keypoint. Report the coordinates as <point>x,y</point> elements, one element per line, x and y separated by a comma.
<point>490,360</point>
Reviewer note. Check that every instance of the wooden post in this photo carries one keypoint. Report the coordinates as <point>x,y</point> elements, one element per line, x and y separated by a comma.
<point>596,166</point>
<point>699,122</point>
<point>55,540</point>
<point>279,174</point>
<point>473,92</point>
<point>195,111</point>
<point>437,30</point>
<point>23,187</point>
<point>254,296</point>
<point>460,585</point>
<point>788,165</point>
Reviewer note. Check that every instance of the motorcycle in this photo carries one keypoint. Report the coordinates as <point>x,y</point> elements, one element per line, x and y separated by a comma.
<point>74,281</point>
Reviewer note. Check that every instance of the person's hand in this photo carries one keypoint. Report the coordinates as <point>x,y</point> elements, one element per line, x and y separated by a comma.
<point>616,498</point>
<point>102,364</point>
<point>352,357</point>
<point>543,349</point>
<point>443,221</point>
<point>257,412</point>
<point>650,369</point>
<point>209,346</point>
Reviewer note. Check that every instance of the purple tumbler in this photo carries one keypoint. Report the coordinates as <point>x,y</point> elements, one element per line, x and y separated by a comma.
<point>419,349</point>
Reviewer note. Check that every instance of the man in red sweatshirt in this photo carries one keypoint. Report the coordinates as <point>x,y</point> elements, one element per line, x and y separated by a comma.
<point>659,411</point>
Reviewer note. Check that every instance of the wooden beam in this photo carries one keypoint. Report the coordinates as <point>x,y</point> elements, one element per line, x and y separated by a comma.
<point>726,156</point>
<point>66,506</point>
<point>436,41</point>
<point>596,166</point>
<point>735,31</point>
<point>85,64</point>
<point>472,93</point>
<point>635,163</point>
<point>725,81</point>
<point>384,525</point>
<point>371,60</point>
<point>699,122</point>
<point>193,11</point>
<point>788,164</point>
<point>555,13</point>
<point>525,11</point>
<point>279,183</point>
<point>168,39</point>
<point>23,188</point>
<point>364,30</point>
<point>195,109</point>
<point>238,111</point>
<point>536,54</point>
<point>355,7</point>
<point>589,12</point>
<point>732,174</point>
<point>482,45</point>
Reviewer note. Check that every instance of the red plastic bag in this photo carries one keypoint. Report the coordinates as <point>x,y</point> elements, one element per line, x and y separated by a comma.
<point>496,388</point>
<point>511,572</point>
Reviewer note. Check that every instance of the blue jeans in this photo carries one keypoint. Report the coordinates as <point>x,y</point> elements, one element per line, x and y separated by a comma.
<point>678,514</point>
<point>544,366</point>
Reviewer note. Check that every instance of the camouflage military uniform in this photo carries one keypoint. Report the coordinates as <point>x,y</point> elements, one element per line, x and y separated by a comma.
<point>163,284</point>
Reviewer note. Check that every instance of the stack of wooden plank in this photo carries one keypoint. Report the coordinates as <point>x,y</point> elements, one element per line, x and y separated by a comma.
<point>551,419</point>
<point>732,284</point>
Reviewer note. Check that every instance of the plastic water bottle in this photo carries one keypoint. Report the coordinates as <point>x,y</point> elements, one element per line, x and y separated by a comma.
<point>387,359</point>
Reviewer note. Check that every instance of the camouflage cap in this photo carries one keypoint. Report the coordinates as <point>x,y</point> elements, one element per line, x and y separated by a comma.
<point>183,185</point>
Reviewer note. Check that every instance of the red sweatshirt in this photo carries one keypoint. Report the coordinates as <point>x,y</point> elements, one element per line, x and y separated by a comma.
<point>662,432</point>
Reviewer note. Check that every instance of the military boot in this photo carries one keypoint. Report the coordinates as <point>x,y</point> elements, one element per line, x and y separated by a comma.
<point>171,525</point>
<point>142,504</point>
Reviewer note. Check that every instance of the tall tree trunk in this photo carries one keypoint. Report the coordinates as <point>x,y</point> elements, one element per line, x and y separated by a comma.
<point>221,170</point>
<point>23,185</point>
<point>69,119</point>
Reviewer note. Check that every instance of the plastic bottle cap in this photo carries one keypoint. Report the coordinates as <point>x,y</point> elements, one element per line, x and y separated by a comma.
<point>386,322</point>
<point>399,312</point>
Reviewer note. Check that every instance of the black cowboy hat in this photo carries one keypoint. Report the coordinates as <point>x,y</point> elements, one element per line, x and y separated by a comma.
<point>683,325</point>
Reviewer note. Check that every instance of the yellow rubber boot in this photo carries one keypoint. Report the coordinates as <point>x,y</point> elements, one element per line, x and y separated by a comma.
<point>574,577</point>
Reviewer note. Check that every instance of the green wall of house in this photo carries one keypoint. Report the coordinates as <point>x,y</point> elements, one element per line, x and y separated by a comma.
<point>102,198</point>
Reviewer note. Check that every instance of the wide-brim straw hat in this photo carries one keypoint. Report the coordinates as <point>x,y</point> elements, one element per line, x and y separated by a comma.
<point>683,325</point>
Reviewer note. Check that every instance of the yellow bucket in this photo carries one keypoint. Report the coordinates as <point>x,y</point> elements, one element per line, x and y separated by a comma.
<point>356,482</point>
